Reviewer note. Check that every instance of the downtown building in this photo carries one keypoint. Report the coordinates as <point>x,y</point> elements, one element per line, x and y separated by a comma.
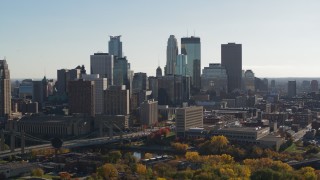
<point>102,64</point>
<point>292,88</point>
<point>82,97</point>
<point>149,112</point>
<point>173,90</point>
<point>5,90</point>
<point>214,79</point>
<point>101,84</point>
<point>188,118</point>
<point>231,59</point>
<point>115,46</point>
<point>63,78</point>
<point>172,52</point>
<point>191,47</point>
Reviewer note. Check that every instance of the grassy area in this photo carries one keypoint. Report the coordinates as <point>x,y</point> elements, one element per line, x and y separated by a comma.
<point>294,149</point>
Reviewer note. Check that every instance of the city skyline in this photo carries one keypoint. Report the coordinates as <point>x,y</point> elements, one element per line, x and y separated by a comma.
<point>279,39</point>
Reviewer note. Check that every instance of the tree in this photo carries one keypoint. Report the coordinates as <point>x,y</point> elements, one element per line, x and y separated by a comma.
<point>308,173</point>
<point>64,176</point>
<point>108,171</point>
<point>192,156</point>
<point>114,156</point>
<point>37,172</point>
<point>180,147</point>
<point>141,169</point>
<point>219,142</point>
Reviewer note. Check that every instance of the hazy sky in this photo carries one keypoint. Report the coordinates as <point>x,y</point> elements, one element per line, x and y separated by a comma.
<point>280,38</point>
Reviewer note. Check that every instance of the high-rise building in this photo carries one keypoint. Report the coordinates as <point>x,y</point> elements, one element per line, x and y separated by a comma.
<point>159,72</point>
<point>173,90</point>
<point>40,92</point>
<point>196,74</point>
<point>102,64</point>
<point>140,81</point>
<point>120,72</point>
<point>82,97</point>
<point>214,79</point>
<point>314,86</point>
<point>292,88</point>
<point>181,65</point>
<point>172,52</point>
<point>231,59</point>
<point>101,84</point>
<point>249,81</point>
<point>149,112</point>
<point>153,86</point>
<point>188,117</point>
<point>191,47</point>
<point>5,89</point>
<point>115,46</point>
<point>116,100</point>
<point>63,78</point>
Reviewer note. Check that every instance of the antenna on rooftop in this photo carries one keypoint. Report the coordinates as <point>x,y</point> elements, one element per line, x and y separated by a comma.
<point>187,33</point>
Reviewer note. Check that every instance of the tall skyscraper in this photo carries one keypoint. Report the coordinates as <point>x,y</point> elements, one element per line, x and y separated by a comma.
<point>214,79</point>
<point>172,52</point>
<point>64,76</point>
<point>101,84</point>
<point>173,90</point>
<point>231,59</point>
<point>116,99</point>
<point>102,64</point>
<point>82,97</point>
<point>196,74</point>
<point>249,81</point>
<point>115,46</point>
<point>5,89</point>
<point>191,47</point>
<point>159,72</point>
<point>140,81</point>
<point>314,86</point>
<point>120,72</point>
<point>292,88</point>
<point>181,66</point>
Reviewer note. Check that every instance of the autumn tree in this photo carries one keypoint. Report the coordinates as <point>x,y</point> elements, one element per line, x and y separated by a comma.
<point>108,171</point>
<point>37,172</point>
<point>308,173</point>
<point>180,147</point>
<point>141,169</point>
<point>192,156</point>
<point>64,176</point>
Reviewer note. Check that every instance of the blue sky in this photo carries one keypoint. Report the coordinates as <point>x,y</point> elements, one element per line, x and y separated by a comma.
<point>280,38</point>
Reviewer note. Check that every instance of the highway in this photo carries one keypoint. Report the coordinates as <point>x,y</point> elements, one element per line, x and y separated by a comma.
<point>79,143</point>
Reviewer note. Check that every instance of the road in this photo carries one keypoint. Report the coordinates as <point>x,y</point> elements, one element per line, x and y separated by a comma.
<point>79,143</point>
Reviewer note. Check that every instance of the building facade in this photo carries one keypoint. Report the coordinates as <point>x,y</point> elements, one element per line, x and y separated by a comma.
<point>214,78</point>
<point>140,82</point>
<point>5,89</point>
<point>172,52</point>
<point>191,47</point>
<point>181,65</point>
<point>188,117</point>
<point>115,46</point>
<point>292,88</point>
<point>82,97</point>
<point>231,59</point>
<point>116,100</point>
<point>101,84</point>
<point>103,64</point>
<point>149,112</point>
